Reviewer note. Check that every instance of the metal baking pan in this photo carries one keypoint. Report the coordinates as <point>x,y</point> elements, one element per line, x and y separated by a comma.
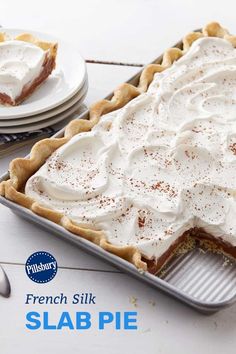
<point>206,281</point>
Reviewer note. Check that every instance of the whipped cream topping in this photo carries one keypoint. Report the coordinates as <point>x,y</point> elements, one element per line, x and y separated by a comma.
<point>164,163</point>
<point>20,63</point>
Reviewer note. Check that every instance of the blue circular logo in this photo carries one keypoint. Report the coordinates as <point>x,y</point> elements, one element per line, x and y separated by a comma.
<point>41,267</point>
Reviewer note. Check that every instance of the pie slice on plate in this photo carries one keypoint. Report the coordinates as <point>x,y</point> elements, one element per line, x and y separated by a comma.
<point>25,63</point>
<point>151,168</point>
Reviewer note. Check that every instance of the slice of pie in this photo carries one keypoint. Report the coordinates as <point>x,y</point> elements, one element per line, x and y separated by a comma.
<point>153,166</point>
<point>25,63</point>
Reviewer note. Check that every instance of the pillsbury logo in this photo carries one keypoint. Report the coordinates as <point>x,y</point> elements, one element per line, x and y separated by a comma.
<point>41,267</point>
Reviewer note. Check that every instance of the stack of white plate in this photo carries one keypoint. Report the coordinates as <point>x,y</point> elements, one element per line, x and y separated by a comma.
<point>58,98</point>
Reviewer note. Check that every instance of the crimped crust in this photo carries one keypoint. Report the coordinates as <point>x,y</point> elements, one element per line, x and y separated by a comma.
<point>27,37</point>
<point>21,169</point>
<point>49,65</point>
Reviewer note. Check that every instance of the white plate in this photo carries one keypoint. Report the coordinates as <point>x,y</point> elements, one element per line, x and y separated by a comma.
<point>43,116</point>
<point>50,113</point>
<point>46,123</point>
<point>62,84</point>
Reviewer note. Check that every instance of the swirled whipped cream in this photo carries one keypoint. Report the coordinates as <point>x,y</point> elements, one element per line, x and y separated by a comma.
<point>161,165</point>
<point>20,63</point>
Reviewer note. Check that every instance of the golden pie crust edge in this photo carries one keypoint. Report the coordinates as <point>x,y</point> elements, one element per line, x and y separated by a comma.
<point>21,169</point>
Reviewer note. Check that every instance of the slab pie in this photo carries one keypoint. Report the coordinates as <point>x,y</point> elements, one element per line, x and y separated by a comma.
<point>152,167</point>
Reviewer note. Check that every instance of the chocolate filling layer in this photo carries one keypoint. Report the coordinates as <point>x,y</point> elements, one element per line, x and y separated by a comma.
<point>154,266</point>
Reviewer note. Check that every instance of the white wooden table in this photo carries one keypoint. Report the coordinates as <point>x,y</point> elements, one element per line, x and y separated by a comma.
<point>128,32</point>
